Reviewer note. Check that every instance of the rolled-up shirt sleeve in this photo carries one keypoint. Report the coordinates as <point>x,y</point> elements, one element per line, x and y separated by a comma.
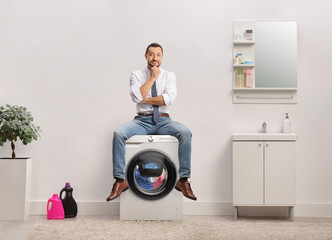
<point>134,89</point>
<point>170,91</point>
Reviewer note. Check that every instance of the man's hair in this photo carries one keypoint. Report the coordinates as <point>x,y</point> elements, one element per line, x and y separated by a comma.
<point>154,45</point>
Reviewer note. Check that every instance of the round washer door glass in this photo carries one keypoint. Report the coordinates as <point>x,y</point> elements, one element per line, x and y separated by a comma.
<point>151,174</point>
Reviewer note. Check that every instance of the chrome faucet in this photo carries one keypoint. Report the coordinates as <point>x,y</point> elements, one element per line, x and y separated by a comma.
<point>264,127</point>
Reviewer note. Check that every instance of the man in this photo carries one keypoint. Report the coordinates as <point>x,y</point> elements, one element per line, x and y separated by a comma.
<point>152,89</point>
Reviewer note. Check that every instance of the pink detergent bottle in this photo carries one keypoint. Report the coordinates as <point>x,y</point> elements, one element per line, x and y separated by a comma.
<point>55,208</point>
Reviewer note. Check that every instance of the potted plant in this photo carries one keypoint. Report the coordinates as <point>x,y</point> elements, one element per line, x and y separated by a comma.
<point>15,173</point>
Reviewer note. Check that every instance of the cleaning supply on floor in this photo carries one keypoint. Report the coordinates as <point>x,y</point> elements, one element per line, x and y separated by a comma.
<point>68,202</point>
<point>55,208</point>
<point>286,127</point>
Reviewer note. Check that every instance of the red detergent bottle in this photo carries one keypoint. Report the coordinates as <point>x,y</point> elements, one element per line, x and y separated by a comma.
<point>68,202</point>
<point>55,208</point>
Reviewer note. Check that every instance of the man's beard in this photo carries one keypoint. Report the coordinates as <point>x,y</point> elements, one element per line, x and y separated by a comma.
<point>151,66</point>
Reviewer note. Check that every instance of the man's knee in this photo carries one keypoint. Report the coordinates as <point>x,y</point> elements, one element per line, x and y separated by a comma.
<point>185,134</point>
<point>119,134</point>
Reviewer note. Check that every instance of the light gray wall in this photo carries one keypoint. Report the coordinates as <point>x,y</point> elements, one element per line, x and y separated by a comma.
<point>69,63</point>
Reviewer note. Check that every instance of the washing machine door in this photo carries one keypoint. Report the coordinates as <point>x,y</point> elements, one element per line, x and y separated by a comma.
<point>151,174</point>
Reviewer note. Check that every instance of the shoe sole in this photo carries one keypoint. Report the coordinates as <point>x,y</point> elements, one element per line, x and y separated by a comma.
<point>125,189</point>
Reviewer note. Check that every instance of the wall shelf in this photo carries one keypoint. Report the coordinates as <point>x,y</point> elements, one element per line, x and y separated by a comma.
<point>244,42</point>
<point>244,65</point>
<point>264,95</point>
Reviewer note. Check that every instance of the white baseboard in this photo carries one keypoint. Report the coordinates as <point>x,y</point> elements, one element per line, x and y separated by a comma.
<point>198,208</point>
<point>208,208</point>
<point>313,210</point>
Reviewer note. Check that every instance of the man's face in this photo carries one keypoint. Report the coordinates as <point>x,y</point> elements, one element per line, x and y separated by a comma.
<point>154,57</point>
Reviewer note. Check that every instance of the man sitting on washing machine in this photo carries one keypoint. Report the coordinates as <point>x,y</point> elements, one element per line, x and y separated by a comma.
<point>153,89</point>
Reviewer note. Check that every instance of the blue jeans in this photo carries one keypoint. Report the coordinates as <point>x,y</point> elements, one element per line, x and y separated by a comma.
<point>142,125</point>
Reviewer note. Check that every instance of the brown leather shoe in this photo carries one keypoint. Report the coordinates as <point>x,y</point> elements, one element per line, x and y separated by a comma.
<point>185,188</point>
<point>117,189</point>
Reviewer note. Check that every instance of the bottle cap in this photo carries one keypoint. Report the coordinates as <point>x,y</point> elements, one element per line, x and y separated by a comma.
<point>67,184</point>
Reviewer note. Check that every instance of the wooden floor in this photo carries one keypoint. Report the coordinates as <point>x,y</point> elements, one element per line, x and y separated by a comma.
<point>16,230</point>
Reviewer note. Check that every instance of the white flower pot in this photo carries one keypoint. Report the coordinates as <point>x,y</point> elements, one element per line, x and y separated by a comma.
<point>15,182</point>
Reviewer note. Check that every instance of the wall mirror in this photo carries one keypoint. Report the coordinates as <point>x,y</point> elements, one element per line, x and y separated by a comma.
<point>264,62</point>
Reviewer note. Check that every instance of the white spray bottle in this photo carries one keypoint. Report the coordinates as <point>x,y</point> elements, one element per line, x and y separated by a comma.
<point>287,124</point>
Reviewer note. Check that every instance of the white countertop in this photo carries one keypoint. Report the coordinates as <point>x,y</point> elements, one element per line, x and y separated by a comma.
<point>264,136</point>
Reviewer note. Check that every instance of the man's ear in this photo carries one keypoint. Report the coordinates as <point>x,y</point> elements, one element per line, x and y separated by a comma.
<point>146,57</point>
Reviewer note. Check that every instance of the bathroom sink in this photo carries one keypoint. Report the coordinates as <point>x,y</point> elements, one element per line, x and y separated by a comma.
<point>264,136</point>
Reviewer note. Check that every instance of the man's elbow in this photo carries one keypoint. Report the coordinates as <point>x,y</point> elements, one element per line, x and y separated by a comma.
<point>135,98</point>
<point>168,100</point>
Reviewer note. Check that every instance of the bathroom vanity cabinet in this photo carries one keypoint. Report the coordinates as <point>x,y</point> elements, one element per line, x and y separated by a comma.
<point>264,173</point>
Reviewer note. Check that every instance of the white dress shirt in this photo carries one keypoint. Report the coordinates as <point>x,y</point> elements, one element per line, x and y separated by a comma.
<point>166,86</point>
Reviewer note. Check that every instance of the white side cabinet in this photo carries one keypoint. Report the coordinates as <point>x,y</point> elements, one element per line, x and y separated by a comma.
<point>264,173</point>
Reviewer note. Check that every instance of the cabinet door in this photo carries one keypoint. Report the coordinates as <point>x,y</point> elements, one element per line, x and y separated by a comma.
<point>280,173</point>
<point>247,173</point>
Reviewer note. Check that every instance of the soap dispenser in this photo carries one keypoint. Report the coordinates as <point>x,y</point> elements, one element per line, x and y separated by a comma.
<point>286,128</point>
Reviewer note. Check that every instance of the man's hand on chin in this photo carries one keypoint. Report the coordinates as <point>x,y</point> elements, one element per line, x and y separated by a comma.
<point>155,71</point>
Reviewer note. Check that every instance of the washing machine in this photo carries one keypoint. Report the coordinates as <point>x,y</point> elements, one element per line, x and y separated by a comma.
<point>152,166</point>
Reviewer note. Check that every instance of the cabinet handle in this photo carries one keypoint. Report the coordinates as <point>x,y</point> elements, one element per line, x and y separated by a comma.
<point>259,145</point>
<point>267,145</point>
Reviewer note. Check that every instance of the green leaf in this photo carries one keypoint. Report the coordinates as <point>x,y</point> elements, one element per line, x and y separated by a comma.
<point>16,122</point>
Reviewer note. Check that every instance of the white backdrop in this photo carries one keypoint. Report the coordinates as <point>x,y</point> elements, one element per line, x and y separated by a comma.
<point>69,63</point>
